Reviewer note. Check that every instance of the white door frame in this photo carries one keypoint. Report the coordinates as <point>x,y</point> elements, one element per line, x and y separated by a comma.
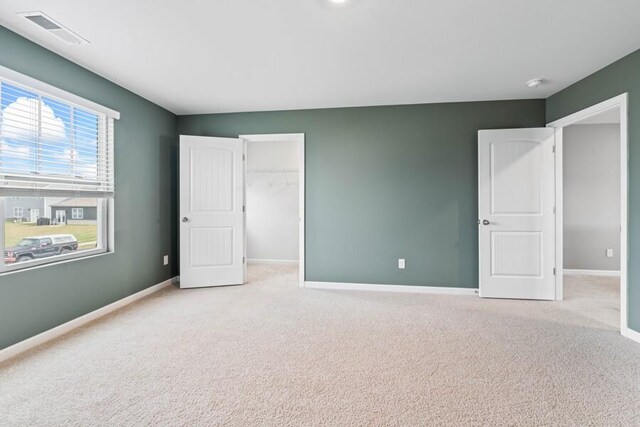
<point>299,138</point>
<point>621,102</point>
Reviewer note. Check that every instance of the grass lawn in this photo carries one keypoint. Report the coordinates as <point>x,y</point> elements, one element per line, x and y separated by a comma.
<point>85,234</point>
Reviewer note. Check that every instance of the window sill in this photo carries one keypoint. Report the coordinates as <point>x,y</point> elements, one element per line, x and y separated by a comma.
<point>43,263</point>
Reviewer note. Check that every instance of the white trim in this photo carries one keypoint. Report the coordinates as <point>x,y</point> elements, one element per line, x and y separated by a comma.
<point>392,288</point>
<point>47,89</point>
<point>603,106</point>
<point>273,261</point>
<point>559,219</point>
<point>2,227</point>
<point>605,273</point>
<point>53,260</point>
<point>270,137</point>
<point>60,330</point>
<point>631,334</point>
<point>300,138</point>
<point>622,102</point>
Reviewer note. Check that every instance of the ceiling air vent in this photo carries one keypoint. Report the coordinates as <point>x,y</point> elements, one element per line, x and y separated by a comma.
<point>49,24</point>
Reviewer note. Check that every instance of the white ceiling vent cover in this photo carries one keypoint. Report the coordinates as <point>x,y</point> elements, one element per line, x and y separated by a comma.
<point>54,27</point>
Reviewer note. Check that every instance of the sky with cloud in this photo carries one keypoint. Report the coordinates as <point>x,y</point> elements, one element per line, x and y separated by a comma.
<point>64,144</point>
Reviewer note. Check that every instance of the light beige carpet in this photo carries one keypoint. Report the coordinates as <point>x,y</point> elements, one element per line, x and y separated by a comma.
<point>597,298</point>
<point>269,353</point>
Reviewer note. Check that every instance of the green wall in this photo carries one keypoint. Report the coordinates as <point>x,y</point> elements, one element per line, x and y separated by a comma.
<point>39,299</point>
<point>620,77</point>
<point>385,183</point>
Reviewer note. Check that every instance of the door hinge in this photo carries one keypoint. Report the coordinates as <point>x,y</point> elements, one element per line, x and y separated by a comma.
<point>554,271</point>
<point>243,260</point>
<point>554,210</point>
<point>243,157</point>
<point>554,149</point>
<point>244,208</point>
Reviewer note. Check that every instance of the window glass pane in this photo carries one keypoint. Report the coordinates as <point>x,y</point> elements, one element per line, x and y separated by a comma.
<point>55,151</point>
<point>18,129</point>
<point>77,213</point>
<point>50,141</point>
<point>86,137</point>
<point>49,228</point>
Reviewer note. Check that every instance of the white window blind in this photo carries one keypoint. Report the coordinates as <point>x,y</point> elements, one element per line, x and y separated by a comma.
<point>51,146</point>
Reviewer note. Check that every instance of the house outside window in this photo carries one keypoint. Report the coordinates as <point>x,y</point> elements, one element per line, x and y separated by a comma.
<point>77,213</point>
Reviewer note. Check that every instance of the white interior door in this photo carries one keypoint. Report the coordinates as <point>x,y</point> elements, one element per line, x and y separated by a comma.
<point>516,213</point>
<point>211,211</point>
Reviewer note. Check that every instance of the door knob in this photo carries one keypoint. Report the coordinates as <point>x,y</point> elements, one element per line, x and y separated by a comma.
<point>185,219</point>
<point>485,222</point>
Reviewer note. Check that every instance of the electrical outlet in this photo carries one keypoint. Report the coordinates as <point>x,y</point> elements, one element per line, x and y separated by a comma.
<point>166,260</point>
<point>401,264</point>
<point>609,253</point>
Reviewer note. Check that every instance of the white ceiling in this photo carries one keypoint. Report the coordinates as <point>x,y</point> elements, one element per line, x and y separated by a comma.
<point>205,56</point>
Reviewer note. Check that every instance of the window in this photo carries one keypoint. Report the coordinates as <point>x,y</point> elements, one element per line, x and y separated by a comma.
<point>56,160</point>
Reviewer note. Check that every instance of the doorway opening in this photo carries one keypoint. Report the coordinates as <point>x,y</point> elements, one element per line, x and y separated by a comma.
<point>274,199</point>
<point>591,212</point>
<point>591,232</point>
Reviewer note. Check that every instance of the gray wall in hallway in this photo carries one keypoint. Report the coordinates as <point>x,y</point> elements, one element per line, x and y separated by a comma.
<point>591,160</point>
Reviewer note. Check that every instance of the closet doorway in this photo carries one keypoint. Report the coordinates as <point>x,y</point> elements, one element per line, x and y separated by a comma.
<point>274,200</point>
<point>612,245</point>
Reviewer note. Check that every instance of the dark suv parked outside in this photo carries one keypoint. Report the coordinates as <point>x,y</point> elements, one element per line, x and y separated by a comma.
<point>37,247</point>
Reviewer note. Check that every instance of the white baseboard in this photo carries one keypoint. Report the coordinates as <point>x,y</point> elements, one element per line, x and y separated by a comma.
<point>50,334</point>
<point>573,272</point>
<point>391,288</point>
<point>273,261</point>
<point>631,334</point>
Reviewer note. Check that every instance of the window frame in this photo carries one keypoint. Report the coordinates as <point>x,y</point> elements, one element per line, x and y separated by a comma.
<point>77,213</point>
<point>18,209</point>
<point>105,209</point>
<point>105,242</point>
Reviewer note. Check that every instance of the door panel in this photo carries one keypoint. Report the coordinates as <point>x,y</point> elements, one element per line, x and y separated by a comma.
<point>211,211</point>
<point>212,176</point>
<point>516,213</point>
<point>516,253</point>
<point>211,246</point>
<point>515,177</point>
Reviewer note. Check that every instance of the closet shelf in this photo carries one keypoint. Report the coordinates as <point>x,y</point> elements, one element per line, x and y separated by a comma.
<point>273,170</point>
